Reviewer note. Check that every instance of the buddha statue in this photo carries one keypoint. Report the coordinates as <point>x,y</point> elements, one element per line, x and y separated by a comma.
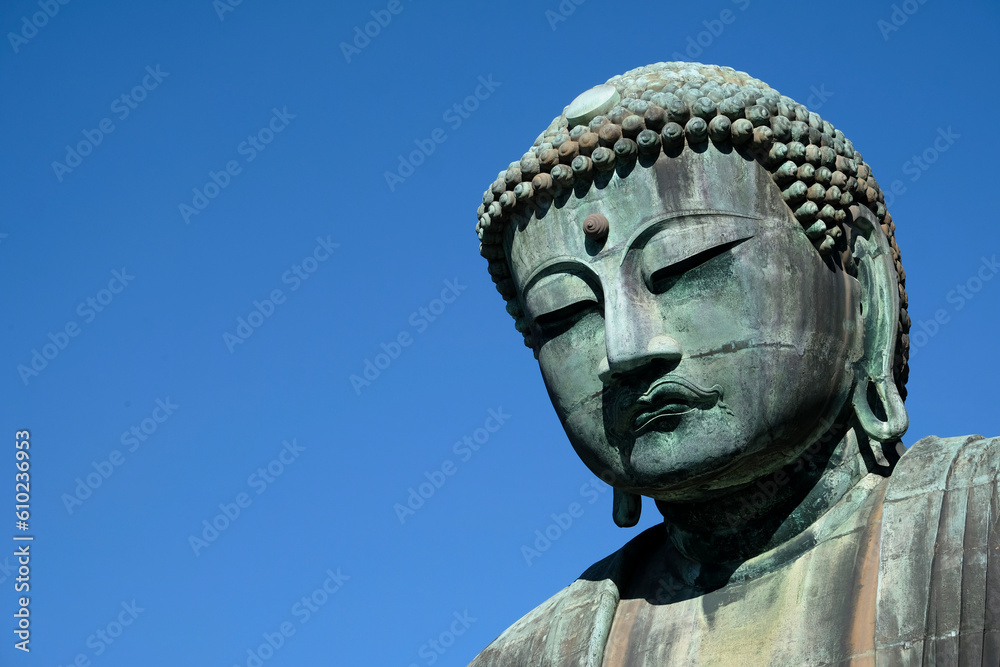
<point>707,275</point>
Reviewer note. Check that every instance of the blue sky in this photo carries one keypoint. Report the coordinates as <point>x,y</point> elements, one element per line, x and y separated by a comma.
<point>204,275</point>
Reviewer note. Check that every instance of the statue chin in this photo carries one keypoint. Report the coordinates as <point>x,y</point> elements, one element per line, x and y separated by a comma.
<point>666,466</point>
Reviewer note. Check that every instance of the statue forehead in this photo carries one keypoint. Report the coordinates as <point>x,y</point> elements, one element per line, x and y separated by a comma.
<point>709,181</point>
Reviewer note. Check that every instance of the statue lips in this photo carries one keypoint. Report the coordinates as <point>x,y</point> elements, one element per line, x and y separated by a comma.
<point>668,397</point>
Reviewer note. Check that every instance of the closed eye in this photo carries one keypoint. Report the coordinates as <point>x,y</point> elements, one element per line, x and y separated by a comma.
<point>663,279</point>
<point>558,301</point>
<point>559,321</point>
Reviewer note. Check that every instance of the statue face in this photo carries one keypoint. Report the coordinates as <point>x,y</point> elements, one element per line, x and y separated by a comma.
<point>704,343</point>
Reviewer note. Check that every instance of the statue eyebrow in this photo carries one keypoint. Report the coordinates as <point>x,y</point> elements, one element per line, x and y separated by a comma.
<point>655,224</point>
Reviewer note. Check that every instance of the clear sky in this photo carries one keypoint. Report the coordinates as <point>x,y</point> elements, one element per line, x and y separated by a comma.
<point>199,246</point>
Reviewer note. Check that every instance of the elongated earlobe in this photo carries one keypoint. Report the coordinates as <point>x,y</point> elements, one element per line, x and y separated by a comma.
<point>876,399</point>
<point>879,409</point>
<point>626,508</point>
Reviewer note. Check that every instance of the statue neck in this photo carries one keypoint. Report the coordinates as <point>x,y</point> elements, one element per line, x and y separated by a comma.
<point>756,518</point>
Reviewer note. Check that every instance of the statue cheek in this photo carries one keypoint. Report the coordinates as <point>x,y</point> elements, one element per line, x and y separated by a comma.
<point>569,365</point>
<point>591,443</point>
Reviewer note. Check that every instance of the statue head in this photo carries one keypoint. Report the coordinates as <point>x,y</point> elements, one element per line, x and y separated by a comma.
<point>707,275</point>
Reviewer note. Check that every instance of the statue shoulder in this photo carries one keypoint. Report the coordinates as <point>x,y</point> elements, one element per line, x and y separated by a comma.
<point>571,627</point>
<point>936,464</point>
<point>558,631</point>
<point>938,543</point>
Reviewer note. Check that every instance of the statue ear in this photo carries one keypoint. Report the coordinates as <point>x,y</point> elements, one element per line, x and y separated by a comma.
<point>876,400</point>
<point>625,508</point>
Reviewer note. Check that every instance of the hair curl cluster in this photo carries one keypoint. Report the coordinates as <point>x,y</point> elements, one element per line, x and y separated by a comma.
<point>665,108</point>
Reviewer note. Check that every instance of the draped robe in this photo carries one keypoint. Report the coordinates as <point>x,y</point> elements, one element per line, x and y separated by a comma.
<point>906,574</point>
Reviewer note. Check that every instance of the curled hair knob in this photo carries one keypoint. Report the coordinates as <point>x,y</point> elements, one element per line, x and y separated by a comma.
<point>595,226</point>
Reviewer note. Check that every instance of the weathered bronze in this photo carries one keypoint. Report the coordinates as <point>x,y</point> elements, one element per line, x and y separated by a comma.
<point>709,279</point>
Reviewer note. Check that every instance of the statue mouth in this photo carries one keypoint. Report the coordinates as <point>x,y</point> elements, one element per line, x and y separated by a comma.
<point>669,398</point>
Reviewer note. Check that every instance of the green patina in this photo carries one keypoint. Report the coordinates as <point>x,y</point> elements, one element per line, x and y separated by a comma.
<point>707,275</point>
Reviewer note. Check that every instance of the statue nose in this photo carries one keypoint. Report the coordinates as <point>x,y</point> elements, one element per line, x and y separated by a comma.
<point>624,358</point>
